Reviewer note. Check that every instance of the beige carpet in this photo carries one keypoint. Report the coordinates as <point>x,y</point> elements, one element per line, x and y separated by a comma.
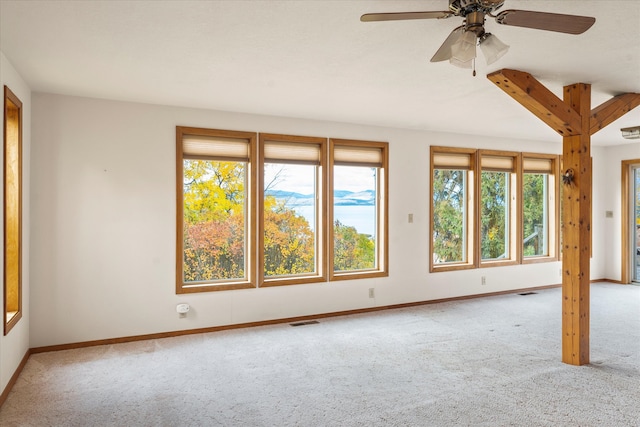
<point>492,361</point>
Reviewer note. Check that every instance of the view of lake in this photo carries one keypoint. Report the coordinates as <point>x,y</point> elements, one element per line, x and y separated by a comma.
<point>354,194</point>
<point>362,217</point>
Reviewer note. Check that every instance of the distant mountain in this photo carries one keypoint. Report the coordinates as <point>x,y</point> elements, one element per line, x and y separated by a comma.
<point>291,198</point>
<point>341,193</point>
<point>361,198</point>
<point>279,194</point>
<point>342,198</point>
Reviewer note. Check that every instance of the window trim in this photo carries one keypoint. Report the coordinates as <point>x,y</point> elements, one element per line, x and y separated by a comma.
<point>255,214</point>
<point>474,196</point>
<point>250,231</point>
<point>382,194</point>
<point>627,260</point>
<point>515,207</point>
<point>12,141</point>
<point>471,192</point>
<point>553,223</point>
<point>321,199</point>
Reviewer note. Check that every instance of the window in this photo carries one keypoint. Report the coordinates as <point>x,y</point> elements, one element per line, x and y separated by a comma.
<point>292,207</point>
<point>452,207</point>
<point>215,212</point>
<point>359,172</point>
<point>254,210</point>
<point>12,210</point>
<point>539,205</point>
<point>515,211</point>
<point>498,202</point>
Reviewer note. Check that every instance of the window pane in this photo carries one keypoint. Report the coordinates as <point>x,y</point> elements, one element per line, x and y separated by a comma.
<point>449,216</point>
<point>214,228</point>
<point>355,218</point>
<point>290,212</point>
<point>535,214</point>
<point>495,215</point>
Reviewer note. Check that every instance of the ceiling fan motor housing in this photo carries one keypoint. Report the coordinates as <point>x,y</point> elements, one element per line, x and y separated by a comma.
<point>474,22</point>
<point>465,7</point>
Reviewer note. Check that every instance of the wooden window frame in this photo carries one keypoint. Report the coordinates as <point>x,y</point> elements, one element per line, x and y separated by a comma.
<point>382,194</point>
<point>516,223</point>
<point>250,231</point>
<point>472,206</point>
<point>255,205</point>
<point>554,210</point>
<point>515,207</point>
<point>12,203</point>
<point>320,275</point>
<point>627,208</point>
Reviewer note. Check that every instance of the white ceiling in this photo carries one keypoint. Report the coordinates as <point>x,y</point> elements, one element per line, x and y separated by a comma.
<point>315,59</point>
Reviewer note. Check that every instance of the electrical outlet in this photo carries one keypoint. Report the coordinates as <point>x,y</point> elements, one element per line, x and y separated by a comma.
<point>182,310</point>
<point>483,280</point>
<point>372,293</point>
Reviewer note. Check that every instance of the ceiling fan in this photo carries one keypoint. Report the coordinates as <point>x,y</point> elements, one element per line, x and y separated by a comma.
<point>460,47</point>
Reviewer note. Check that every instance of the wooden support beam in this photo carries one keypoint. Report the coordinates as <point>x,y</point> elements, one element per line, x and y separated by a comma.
<point>535,97</point>
<point>610,111</point>
<point>572,119</point>
<point>576,229</point>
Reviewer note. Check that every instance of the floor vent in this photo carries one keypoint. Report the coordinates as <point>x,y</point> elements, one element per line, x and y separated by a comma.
<point>310,322</point>
<point>528,293</point>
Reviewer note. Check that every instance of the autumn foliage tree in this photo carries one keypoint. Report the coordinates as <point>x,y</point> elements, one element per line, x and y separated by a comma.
<point>352,250</point>
<point>213,223</point>
<point>214,229</point>
<point>289,246</point>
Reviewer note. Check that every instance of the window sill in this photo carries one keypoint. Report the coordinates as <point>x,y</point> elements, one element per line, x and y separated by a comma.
<point>213,287</point>
<point>295,280</point>
<point>351,275</point>
<point>450,267</point>
<point>538,259</point>
<point>10,315</point>
<point>12,318</point>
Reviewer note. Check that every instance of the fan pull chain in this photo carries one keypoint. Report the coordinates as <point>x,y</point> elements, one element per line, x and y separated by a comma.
<point>474,67</point>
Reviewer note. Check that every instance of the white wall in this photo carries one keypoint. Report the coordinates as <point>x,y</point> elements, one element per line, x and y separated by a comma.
<point>15,345</point>
<point>103,224</point>
<point>611,191</point>
<point>599,233</point>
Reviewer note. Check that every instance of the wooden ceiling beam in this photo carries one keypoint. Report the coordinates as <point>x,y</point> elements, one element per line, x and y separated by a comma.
<point>535,97</point>
<point>612,110</point>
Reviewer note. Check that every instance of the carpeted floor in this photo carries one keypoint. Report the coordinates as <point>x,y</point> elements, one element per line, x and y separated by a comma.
<point>491,361</point>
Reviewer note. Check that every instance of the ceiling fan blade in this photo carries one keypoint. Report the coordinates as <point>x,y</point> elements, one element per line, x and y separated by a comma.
<point>444,53</point>
<point>402,16</point>
<point>570,24</point>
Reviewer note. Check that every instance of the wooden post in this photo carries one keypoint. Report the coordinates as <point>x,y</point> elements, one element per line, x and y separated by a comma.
<point>576,229</point>
<point>575,122</point>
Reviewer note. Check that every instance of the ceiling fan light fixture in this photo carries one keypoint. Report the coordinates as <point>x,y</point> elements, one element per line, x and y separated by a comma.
<point>464,49</point>
<point>461,64</point>
<point>631,133</point>
<point>492,48</point>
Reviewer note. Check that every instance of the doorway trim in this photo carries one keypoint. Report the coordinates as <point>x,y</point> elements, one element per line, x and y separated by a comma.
<point>626,219</point>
